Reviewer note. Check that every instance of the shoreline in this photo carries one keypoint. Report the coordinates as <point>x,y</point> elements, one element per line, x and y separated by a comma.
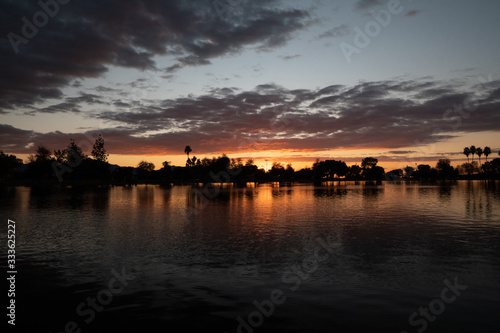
<point>324,182</point>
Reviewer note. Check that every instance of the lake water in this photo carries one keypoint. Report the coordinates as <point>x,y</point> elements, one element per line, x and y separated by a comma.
<point>344,257</point>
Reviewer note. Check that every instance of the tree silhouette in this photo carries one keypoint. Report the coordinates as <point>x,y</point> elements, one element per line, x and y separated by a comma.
<point>395,174</point>
<point>368,162</point>
<point>98,151</point>
<point>409,171</point>
<point>146,166</point>
<point>479,153</point>
<point>424,171</point>
<point>467,168</point>
<point>329,169</point>
<point>289,171</point>
<point>60,155</point>
<point>472,151</point>
<point>75,153</point>
<point>166,170</point>
<point>40,164</point>
<point>277,171</point>
<point>370,169</point>
<point>354,171</point>
<point>187,150</point>
<point>445,170</point>
<point>236,163</point>
<point>42,154</point>
<point>486,152</point>
<point>466,152</point>
<point>8,163</point>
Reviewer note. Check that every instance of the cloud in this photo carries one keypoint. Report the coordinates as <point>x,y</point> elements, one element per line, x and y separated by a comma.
<point>393,114</point>
<point>65,107</point>
<point>402,152</point>
<point>364,4</point>
<point>412,13</point>
<point>339,31</point>
<point>290,57</point>
<point>187,61</point>
<point>85,38</point>
<point>14,139</point>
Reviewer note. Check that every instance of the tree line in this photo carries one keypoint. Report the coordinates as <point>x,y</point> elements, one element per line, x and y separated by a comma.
<point>72,165</point>
<point>472,150</point>
<point>473,169</point>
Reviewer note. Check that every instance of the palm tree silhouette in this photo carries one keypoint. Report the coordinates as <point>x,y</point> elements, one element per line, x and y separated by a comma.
<point>187,150</point>
<point>472,151</point>
<point>486,152</point>
<point>479,152</point>
<point>467,153</point>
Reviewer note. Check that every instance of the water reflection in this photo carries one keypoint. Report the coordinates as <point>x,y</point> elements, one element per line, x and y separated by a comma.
<point>480,198</point>
<point>42,197</point>
<point>397,242</point>
<point>475,199</point>
<point>371,190</point>
<point>281,192</point>
<point>330,192</point>
<point>445,190</point>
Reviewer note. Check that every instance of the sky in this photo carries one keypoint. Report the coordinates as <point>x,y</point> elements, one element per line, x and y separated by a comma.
<point>407,82</point>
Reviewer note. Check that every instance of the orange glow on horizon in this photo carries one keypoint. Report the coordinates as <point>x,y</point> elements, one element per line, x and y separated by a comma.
<point>297,162</point>
<point>304,158</point>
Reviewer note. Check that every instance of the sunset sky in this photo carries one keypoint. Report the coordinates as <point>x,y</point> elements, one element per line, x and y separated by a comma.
<point>290,81</point>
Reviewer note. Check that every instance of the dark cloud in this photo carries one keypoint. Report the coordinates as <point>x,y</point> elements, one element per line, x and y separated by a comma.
<point>121,104</point>
<point>65,107</point>
<point>84,38</point>
<point>89,99</point>
<point>14,139</point>
<point>381,114</point>
<point>103,89</point>
<point>495,95</point>
<point>412,13</point>
<point>187,61</point>
<point>433,93</point>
